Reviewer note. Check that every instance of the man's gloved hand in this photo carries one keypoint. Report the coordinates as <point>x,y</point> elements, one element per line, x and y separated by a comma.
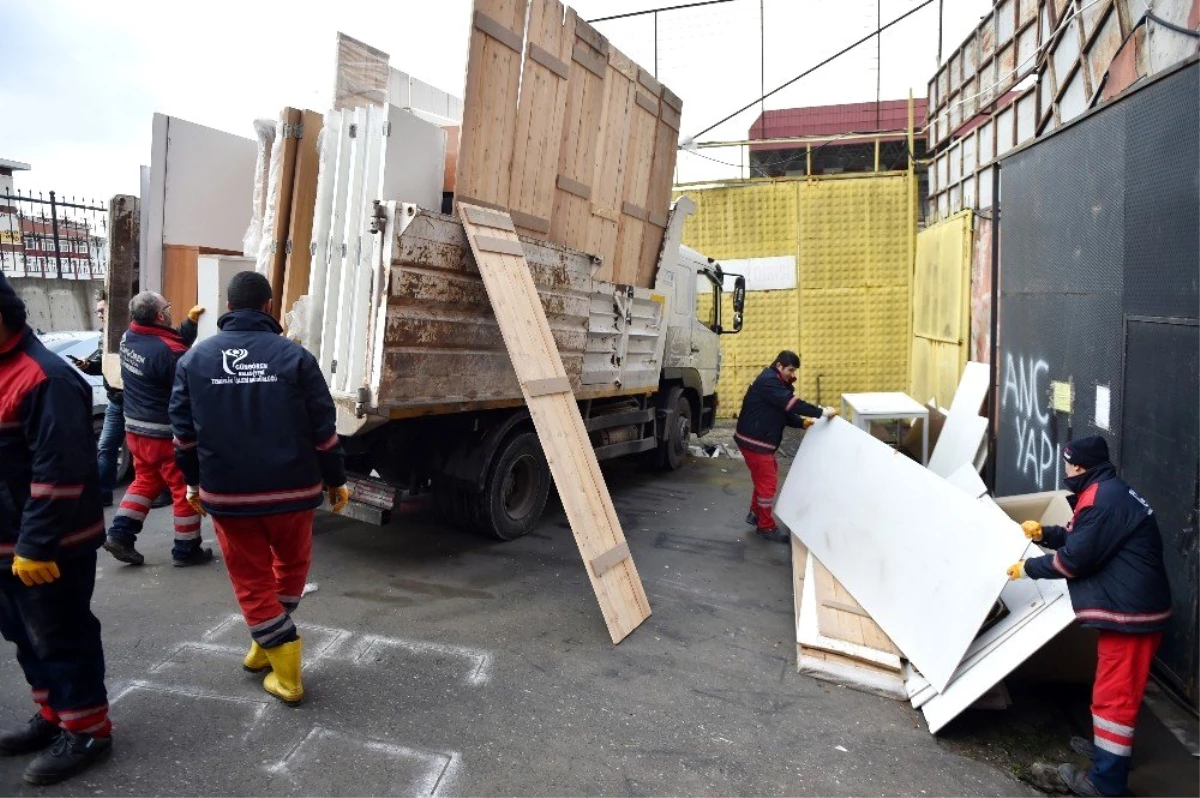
<point>193,498</point>
<point>34,572</point>
<point>1032,530</point>
<point>339,497</point>
<point>807,422</point>
<point>195,313</point>
<point>829,413</point>
<point>1016,571</point>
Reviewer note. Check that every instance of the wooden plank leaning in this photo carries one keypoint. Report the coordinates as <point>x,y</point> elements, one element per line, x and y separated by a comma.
<point>573,464</point>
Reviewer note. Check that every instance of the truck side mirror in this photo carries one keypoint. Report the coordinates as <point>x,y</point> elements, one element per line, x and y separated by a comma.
<point>739,305</point>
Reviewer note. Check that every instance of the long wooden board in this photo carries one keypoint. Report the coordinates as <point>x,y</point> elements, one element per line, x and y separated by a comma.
<point>300,228</point>
<point>556,417</point>
<point>279,206</point>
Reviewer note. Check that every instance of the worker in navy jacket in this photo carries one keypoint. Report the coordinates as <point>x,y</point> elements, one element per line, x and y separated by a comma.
<point>1111,555</point>
<point>150,349</point>
<point>51,524</point>
<point>769,406</point>
<point>256,437</point>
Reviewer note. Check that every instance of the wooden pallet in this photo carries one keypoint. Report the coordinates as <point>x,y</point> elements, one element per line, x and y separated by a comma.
<point>585,156</point>
<point>500,258</point>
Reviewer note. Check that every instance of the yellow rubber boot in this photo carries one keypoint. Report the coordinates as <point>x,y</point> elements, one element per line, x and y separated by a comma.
<point>256,660</point>
<point>283,681</point>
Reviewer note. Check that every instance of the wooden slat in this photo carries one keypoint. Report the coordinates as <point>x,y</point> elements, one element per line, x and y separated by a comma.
<point>581,136</point>
<point>543,108</point>
<point>609,168</point>
<point>277,224</point>
<point>840,617</point>
<point>560,428</point>
<point>304,197</point>
<point>489,122</point>
<point>486,217</point>
<point>498,31</point>
<point>636,191</point>
<point>658,195</point>
<point>500,246</point>
<point>610,559</point>
<point>546,386</point>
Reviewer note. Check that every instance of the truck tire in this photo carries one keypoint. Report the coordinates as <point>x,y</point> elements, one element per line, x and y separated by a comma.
<point>515,491</point>
<point>672,450</point>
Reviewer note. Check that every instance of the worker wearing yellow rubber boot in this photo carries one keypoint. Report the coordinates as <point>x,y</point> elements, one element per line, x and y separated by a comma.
<point>256,440</point>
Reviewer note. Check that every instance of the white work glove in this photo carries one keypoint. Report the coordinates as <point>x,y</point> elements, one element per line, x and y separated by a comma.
<point>829,412</point>
<point>193,498</point>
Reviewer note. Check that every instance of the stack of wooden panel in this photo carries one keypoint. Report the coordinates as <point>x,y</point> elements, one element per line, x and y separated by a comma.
<point>836,640</point>
<point>567,134</point>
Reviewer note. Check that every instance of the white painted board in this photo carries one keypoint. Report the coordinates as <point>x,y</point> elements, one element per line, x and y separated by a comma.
<point>924,559</point>
<point>762,274</point>
<point>967,480</point>
<point>972,388</point>
<point>959,443</point>
<point>213,273</point>
<point>414,160</point>
<point>208,184</point>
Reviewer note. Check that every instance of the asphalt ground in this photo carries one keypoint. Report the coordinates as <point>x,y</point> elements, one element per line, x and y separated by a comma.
<point>441,662</point>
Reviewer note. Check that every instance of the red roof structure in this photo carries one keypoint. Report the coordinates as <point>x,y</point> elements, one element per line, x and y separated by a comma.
<point>836,120</point>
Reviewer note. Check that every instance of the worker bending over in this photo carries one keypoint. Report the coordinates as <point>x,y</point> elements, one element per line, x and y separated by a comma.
<point>256,438</point>
<point>150,350</point>
<point>1111,556</point>
<point>769,406</point>
<point>51,524</point>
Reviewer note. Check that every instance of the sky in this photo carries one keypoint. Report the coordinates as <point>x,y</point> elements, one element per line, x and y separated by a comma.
<point>80,80</point>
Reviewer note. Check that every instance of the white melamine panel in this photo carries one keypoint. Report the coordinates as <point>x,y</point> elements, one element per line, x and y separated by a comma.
<point>924,559</point>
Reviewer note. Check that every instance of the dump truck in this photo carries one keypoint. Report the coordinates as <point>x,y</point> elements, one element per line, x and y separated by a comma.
<point>427,398</point>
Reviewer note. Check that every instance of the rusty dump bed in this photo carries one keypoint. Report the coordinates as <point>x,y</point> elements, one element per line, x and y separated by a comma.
<point>441,348</point>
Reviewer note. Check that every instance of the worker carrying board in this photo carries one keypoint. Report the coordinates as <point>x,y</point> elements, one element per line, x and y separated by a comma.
<point>51,524</point>
<point>1111,555</point>
<point>256,438</point>
<point>150,350</point>
<point>769,406</point>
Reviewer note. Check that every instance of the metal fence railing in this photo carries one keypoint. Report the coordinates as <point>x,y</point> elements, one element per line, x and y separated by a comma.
<point>54,237</point>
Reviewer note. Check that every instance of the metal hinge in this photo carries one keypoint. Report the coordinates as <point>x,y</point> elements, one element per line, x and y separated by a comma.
<point>353,131</point>
<point>312,249</point>
<point>387,129</point>
<point>295,131</point>
<point>287,248</point>
<point>378,217</point>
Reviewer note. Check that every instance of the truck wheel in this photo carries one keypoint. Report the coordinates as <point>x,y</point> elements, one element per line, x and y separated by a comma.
<point>673,448</point>
<point>514,494</point>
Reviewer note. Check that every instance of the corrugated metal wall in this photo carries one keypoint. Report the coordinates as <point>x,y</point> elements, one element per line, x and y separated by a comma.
<point>941,309</point>
<point>849,317</point>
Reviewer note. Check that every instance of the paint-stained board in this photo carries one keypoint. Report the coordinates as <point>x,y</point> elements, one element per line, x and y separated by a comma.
<point>539,369</point>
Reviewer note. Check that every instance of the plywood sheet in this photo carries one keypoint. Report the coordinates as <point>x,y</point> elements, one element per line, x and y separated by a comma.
<point>179,278</point>
<point>911,548</point>
<point>560,428</point>
<point>361,74</point>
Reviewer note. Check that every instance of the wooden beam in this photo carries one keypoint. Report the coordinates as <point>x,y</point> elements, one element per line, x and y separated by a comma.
<point>279,205</point>
<point>530,344</point>
<point>124,239</point>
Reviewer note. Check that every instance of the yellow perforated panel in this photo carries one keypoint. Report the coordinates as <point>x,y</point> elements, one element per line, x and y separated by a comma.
<point>941,315</point>
<point>849,318</point>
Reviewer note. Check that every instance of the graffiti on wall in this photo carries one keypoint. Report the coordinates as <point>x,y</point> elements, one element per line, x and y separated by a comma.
<point>1025,401</point>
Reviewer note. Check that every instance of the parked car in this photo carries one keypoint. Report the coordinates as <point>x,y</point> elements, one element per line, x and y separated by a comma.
<point>82,344</point>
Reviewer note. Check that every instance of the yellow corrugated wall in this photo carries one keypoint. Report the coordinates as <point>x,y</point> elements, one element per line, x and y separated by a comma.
<point>941,309</point>
<point>849,318</point>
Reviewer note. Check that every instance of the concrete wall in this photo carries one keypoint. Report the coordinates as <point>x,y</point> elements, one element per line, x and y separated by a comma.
<point>58,305</point>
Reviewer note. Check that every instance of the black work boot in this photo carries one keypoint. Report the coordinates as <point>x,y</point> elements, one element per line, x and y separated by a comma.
<point>775,535</point>
<point>33,736</point>
<point>123,552</point>
<point>1077,781</point>
<point>751,520</point>
<point>194,557</point>
<point>71,753</point>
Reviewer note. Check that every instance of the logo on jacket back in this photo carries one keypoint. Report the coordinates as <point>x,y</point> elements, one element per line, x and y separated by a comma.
<point>240,372</point>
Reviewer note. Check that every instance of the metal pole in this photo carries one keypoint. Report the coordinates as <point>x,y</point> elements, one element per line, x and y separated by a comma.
<point>655,45</point>
<point>993,405</point>
<point>762,53</point>
<point>54,227</point>
<point>940,4</point>
<point>878,58</point>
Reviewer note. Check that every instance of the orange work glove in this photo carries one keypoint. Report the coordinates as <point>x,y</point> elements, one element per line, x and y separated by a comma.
<point>195,313</point>
<point>1016,571</point>
<point>339,497</point>
<point>193,498</point>
<point>807,422</point>
<point>34,572</point>
<point>1032,530</point>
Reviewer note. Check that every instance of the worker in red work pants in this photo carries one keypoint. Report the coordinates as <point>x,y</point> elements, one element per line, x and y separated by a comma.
<point>769,406</point>
<point>256,438</point>
<point>1112,558</point>
<point>154,464</point>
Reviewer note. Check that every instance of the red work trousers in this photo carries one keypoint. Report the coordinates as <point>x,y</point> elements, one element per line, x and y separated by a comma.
<point>268,557</point>
<point>154,463</point>
<point>1122,668</point>
<point>764,470</point>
